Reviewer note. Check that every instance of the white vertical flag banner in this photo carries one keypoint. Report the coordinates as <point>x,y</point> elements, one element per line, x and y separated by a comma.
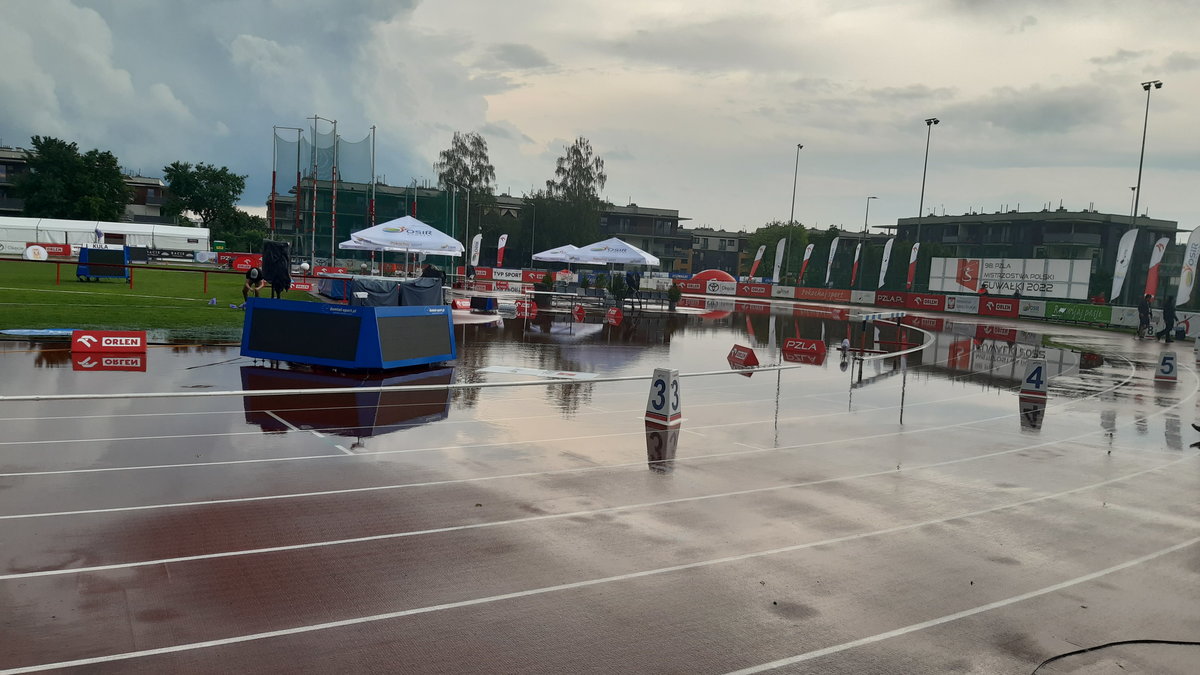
<point>758,259</point>
<point>832,252</point>
<point>854,269</point>
<point>500,250</point>
<point>1160,247</point>
<point>1187,274</point>
<point>475,243</point>
<point>887,256</point>
<point>804,265</point>
<point>1124,253</point>
<point>778,259</point>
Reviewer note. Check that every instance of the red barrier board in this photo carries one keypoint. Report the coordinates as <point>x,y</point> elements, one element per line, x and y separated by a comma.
<point>614,316</point>
<point>526,309</point>
<point>801,357</point>
<point>111,341</point>
<point>836,313</point>
<point>579,313</point>
<point>52,250</point>
<point>483,273</point>
<point>460,303</point>
<point>999,307</point>
<point>690,286</point>
<point>752,307</point>
<point>890,298</point>
<point>694,303</point>
<point>933,303</point>
<point>996,333</point>
<point>533,276</point>
<point>754,290</point>
<point>742,357</point>
<point>319,269</point>
<point>823,294</point>
<point>301,286</point>
<point>108,362</point>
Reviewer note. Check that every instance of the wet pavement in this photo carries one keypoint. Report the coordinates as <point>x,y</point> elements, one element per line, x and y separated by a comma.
<point>917,515</point>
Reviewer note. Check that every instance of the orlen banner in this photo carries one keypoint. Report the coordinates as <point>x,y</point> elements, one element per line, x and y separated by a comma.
<point>933,303</point>
<point>1033,277</point>
<point>990,306</point>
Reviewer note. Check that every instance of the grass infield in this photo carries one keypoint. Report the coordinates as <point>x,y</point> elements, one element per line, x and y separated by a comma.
<point>159,299</point>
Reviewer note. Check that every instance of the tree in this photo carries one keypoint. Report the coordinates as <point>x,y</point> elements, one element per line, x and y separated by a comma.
<point>465,164</point>
<point>769,235</point>
<point>579,175</point>
<point>240,231</point>
<point>61,183</point>
<point>203,189</point>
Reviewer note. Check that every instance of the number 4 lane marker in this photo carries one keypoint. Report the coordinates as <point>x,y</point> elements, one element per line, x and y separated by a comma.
<point>1035,380</point>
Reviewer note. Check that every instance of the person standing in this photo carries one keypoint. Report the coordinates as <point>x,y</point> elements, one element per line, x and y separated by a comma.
<point>1168,311</point>
<point>1144,328</point>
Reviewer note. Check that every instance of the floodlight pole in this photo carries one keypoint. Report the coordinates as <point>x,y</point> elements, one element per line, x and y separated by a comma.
<point>924,171</point>
<point>792,215</point>
<point>1137,193</point>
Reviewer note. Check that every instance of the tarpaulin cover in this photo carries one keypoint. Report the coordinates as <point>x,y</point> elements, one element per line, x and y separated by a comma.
<point>423,291</point>
<point>276,259</point>
<point>380,293</point>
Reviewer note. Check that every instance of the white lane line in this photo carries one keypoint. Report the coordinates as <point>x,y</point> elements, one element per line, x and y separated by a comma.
<point>1068,403</point>
<point>638,575</point>
<point>912,628</point>
<point>283,421</point>
<point>343,449</point>
<point>587,512</point>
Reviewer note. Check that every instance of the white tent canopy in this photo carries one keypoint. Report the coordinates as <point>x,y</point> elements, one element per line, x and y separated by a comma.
<point>559,254</point>
<point>365,246</point>
<point>406,234</point>
<point>612,251</point>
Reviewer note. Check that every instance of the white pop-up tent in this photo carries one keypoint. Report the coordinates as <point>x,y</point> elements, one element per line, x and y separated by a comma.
<point>407,234</point>
<point>559,254</point>
<point>612,252</point>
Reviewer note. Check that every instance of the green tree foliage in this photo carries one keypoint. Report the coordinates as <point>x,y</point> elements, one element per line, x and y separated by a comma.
<point>205,190</point>
<point>240,231</point>
<point>770,234</point>
<point>579,175</point>
<point>568,210</point>
<point>61,183</point>
<point>465,164</point>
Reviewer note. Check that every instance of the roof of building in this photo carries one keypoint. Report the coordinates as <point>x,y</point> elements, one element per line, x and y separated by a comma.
<point>1031,217</point>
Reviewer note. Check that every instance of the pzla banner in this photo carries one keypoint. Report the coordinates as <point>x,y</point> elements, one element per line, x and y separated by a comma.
<point>1160,247</point>
<point>912,266</point>
<point>1187,275</point>
<point>803,266</point>
<point>832,251</point>
<point>500,250</point>
<point>887,256</point>
<point>1124,253</point>
<point>475,242</point>
<point>778,259</point>
<point>757,259</point>
<point>854,268</point>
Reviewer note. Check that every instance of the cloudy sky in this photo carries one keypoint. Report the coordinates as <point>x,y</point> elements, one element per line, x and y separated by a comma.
<point>695,105</point>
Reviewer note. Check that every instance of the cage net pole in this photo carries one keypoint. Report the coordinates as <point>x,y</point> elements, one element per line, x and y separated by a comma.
<point>371,208</point>
<point>274,173</point>
<point>333,203</point>
<point>312,222</point>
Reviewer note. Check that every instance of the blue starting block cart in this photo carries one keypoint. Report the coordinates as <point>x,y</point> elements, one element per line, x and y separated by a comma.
<point>103,263</point>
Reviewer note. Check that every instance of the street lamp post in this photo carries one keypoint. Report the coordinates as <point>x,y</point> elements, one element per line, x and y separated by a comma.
<point>1137,193</point>
<point>921,207</point>
<point>792,215</point>
<point>865,217</point>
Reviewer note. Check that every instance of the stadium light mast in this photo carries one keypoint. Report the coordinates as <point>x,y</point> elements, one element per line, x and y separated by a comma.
<point>924,171</point>
<point>792,214</point>
<point>1137,193</point>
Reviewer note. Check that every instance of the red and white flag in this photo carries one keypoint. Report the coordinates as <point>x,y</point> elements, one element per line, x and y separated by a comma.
<point>912,266</point>
<point>803,266</point>
<point>1160,247</point>
<point>500,250</point>
<point>757,259</point>
<point>854,268</point>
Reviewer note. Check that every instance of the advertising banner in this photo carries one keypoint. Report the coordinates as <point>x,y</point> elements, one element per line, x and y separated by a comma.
<point>887,257</point>
<point>1187,274</point>
<point>714,287</point>
<point>476,241</point>
<point>1124,253</point>
<point>1124,316</point>
<point>1067,311</point>
<point>788,292</point>
<point>912,267</point>
<point>825,294</point>
<point>507,275</point>
<point>500,250</point>
<point>963,304</point>
<point>62,250</point>
<point>758,259</point>
<point>933,303</point>
<point>989,306</point>
<point>483,273</point>
<point>690,286</point>
<point>778,259</point>
<point>111,341</point>
<point>84,361</point>
<point>1033,308</point>
<point>932,324</point>
<point>854,267</point>
<point>1032,277</point>
<point>534,276</point>
<point>832,252</point>
<point>754,290</point>
<point>890,298</point>
<point>989,332</point>
<point>862,297</point>
<point>804,265</point>
<point>1160,247</point>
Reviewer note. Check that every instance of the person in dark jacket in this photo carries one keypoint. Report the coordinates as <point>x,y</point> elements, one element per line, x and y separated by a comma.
<point>1168,311</point>
<point>1144,328</point>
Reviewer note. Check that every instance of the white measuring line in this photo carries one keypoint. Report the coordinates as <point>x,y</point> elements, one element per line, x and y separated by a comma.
<point>753,449</point>
<point>655,572</point>
<point>312,431</point>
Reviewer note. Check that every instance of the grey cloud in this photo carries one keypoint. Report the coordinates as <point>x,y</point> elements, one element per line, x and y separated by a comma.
<point>1119,56</point>
<point>723,44</point>
<point>504,131</point>
<point>512,55</point>
<point>622,155</point>
<point>910,93</point>
<point>1039,111</point>
<point>1179,62</point>
<point>1027,21</point>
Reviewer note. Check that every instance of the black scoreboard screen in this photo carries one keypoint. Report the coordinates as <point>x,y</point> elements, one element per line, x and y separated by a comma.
<point>324,336</point>
<point>413,337</point>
